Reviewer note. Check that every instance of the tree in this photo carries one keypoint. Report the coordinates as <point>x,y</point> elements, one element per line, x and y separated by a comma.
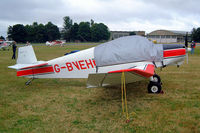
<point>91,22</point>
<point>67,22</point>
<point>74,32</point>
<point>1,37</point>
<point>84,31</point>
<point>196,34</point>
<point>99,32</point>
<point>34,33</point>
<point>41,33</point>
<point>30,33</point>
<point>19,33</point>
<point>67,27</point>
<point>9,32</point>
<point>52,32</point>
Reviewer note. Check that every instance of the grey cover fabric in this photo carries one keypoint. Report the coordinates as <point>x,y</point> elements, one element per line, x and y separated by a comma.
<point>127,49</point>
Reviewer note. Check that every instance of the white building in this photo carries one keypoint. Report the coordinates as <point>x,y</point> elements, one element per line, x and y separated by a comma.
<point>168,36</point>
<point>117,34</point>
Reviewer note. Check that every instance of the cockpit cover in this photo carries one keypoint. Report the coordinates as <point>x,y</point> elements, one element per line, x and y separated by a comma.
<point>127,49</point>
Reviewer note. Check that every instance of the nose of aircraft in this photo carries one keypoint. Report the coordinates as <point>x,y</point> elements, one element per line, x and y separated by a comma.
<point>177,46</point>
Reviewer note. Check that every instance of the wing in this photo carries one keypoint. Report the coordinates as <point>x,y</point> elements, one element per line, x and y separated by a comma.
<point>114,77</point>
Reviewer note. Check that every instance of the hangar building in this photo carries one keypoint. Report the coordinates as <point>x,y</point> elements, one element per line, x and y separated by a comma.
<point>168,36</point>
<point>117,34</point>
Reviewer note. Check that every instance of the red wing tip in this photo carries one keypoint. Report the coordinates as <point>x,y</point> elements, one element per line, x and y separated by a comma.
<point>148,72</point>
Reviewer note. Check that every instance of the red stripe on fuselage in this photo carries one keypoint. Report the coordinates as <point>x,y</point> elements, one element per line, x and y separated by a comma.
<point>174,52</point>
<point>35,71</point>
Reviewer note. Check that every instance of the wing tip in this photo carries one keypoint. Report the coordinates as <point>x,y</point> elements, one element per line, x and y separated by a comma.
<point>148,72</point>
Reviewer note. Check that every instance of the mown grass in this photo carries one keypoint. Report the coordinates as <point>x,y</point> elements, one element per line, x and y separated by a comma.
<point>66,105</point>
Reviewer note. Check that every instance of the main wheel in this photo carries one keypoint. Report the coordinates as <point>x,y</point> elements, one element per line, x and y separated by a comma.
<point>156,78</point>
<point>154,87</point>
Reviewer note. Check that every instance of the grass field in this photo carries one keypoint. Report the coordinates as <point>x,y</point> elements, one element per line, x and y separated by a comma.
<point>66,105</point>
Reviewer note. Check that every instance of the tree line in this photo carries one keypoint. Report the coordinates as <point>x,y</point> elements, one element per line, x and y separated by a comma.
<point>84,31</point>
<point>71,32</point>
<point>196,34</point>
<point>33,33</point>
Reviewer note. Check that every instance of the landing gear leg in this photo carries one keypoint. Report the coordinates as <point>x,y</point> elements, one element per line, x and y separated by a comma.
<point>29,81</point>
<point>154,85</point>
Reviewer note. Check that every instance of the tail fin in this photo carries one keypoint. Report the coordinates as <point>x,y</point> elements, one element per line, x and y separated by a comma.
<point>26,55</point>
<point>26,58</point>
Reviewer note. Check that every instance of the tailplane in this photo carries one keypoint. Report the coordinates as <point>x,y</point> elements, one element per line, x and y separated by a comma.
<point>26,58</point>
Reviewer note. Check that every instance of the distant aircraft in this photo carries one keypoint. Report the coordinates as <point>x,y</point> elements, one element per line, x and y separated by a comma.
<point>135,56</point>
<point>55,42</point>
<point>5,44</point>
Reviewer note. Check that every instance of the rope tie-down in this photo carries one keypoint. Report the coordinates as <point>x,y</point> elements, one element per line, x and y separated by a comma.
<point>124,98</point>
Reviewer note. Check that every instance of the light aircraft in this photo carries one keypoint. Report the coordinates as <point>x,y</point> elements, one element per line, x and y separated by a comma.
<point>5,44</point>
<point>135,56</point>
<point>55,42</point>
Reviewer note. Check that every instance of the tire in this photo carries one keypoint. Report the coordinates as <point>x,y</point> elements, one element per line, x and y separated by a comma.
<point>156,78</point>
<point>154,87</point>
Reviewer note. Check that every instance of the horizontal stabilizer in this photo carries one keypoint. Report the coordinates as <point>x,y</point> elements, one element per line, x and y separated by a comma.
<point>31,71</point>
<point>24,66</point>
<point>27,59</point>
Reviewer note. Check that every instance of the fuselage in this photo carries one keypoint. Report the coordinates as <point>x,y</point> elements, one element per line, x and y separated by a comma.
<point>82,63</point>
<point>4,44</point>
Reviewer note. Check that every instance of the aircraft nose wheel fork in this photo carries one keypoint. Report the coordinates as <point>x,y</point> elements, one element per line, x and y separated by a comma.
<point>155,84</point>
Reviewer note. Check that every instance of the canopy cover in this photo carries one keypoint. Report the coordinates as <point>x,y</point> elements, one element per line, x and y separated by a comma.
<point>127,49</point>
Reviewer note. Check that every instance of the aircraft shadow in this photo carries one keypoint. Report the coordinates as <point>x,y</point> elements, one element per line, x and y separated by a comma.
<point>133,90</point>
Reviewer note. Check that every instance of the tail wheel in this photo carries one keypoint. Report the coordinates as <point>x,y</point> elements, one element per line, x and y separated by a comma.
<point>154,87</point>
<point>156,78</point>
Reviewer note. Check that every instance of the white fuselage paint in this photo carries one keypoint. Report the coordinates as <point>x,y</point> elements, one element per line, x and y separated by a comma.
<point>80,65</point>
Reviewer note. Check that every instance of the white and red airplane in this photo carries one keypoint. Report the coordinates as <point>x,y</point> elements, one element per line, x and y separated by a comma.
<point>136,56</point>
<point>55,42</point>
<point>5,44</point>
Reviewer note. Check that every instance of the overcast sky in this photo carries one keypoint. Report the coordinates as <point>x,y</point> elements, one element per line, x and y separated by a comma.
<point>123,15</point>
